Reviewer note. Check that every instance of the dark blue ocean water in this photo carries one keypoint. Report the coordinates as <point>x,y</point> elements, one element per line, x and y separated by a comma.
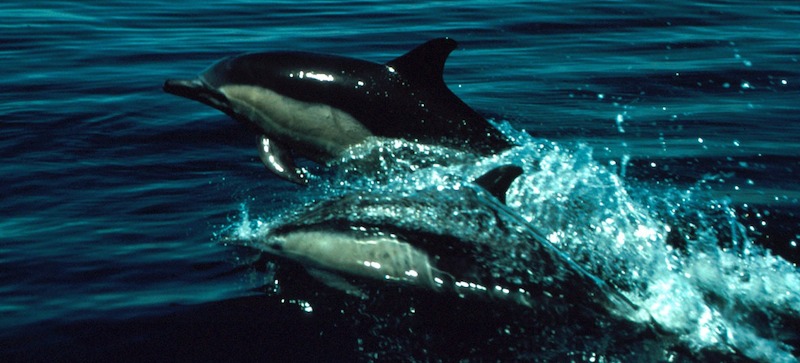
<point>641,118</point>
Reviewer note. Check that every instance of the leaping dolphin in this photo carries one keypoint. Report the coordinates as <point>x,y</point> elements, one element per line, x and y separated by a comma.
<point>317,105</point>
<point>462,240</point>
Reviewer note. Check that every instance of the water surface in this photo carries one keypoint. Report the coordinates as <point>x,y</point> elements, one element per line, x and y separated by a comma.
<point>116,195</point>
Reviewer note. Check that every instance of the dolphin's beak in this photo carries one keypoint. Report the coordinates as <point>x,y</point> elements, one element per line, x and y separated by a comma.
<point>197,90</point>
<point>183,87</point>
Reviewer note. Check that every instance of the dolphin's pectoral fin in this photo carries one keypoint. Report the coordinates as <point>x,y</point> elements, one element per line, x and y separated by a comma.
<point>336,282</point>
<point>279,160</point>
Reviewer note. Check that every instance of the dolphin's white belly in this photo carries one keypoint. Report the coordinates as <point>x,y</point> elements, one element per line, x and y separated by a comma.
<point>380,258</point>
<point>327,129</point>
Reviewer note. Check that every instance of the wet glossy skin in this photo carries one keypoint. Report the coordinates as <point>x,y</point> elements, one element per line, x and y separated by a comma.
<point>317,105</point>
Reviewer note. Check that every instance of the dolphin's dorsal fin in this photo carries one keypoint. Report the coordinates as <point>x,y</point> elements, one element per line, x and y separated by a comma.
<point>498,180</point>
<point>425,62</point>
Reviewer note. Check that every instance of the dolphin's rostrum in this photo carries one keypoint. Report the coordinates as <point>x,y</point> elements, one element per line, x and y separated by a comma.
<point>317,105</point>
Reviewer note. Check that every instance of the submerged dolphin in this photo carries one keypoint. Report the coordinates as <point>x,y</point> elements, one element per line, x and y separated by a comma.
<point>462,240</point>
<point>317,105</point>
